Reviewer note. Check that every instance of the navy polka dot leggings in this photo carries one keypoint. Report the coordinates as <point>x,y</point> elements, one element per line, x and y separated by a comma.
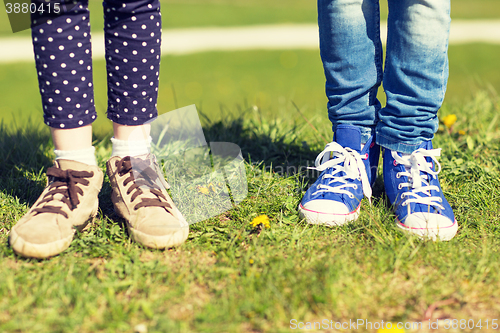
<point>63,56</point>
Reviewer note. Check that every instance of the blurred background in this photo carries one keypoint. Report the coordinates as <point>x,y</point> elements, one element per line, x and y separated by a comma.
<point>264,81</point>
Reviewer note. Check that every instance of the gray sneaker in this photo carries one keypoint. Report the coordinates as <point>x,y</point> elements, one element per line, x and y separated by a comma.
<point>68,203</point>
<point>140,197</point>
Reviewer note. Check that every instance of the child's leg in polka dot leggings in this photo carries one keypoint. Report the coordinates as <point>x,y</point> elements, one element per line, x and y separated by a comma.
<point>70,200</point>
<point>132,34</point>
<point>64,64</point>
<point>63,60</point>
<point>133,41</point>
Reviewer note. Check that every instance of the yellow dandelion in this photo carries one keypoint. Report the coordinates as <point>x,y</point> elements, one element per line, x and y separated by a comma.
<point>261,219</point>
<point>449,120</point>
<point>250,261</point>
<point>203,190</point>
<point>461,132</point>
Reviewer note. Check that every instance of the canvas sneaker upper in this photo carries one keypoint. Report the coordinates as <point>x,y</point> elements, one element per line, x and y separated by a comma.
<point>347,174</point>
<point>412,185</point>
<point>139,195</point>
<point>67,204</point>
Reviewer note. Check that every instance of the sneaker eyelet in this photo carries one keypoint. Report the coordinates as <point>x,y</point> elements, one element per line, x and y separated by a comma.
<point>395,163</point>
<point>398,175</point>
<point>355,187</point>
<point>351,196</point>
<point>400,187</point>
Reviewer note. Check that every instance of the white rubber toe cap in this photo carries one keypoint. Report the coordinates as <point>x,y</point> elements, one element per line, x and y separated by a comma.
<point>432,226</point>
<point>327,212</point>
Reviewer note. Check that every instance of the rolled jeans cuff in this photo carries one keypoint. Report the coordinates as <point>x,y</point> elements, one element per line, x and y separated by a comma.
<point>400,147</point>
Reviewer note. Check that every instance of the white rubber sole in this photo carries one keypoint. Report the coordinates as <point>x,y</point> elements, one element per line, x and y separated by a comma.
<point>328,219</point>
<point>443,234</point>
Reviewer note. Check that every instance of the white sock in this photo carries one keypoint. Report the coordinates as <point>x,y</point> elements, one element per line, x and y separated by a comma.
<point>124,148</point>
<point>86,155</point>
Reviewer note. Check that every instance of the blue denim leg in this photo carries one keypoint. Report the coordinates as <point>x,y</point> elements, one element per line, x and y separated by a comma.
<point>416,72</point>
<point>351,52</point>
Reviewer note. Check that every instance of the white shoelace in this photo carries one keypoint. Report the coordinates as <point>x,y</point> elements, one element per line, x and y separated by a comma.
<point>353,167</point>
<point>416,164</point>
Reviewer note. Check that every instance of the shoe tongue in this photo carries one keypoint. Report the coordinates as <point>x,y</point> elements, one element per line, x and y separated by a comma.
<point>69,164</point>
<point>426,145</point>
<point>348,136</point>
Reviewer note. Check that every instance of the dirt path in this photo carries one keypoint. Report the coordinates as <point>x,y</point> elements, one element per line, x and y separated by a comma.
<point>271,37</point>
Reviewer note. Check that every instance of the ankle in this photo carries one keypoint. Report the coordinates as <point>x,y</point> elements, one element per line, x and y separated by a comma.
<point>86,155</point>
<point>124,148</point>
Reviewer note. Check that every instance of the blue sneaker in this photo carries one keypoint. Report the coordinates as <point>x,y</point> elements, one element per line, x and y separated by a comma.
<point>412,185</point>
<point>348,173</point>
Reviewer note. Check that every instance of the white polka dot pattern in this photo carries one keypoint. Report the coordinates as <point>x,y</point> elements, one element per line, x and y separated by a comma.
<point>64,63</point>
<point>132,43</point>
<point>62,68</point>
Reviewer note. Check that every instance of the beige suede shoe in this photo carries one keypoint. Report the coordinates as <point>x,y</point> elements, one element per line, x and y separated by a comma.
<point>139,196</point>
<point>67,204</point>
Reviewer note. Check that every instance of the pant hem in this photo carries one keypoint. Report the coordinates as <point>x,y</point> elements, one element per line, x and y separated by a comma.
<point>400,147</point>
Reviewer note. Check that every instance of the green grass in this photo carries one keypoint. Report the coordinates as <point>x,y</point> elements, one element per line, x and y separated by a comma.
<point>229,277</point>
<point>201,13</point>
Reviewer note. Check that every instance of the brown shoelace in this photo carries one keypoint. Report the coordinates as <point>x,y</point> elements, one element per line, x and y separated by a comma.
<point>146,176</point>
<point>64,182</point>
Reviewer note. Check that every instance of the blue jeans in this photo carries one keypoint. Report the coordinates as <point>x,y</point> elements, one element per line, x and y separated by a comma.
<point>415,73</point>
